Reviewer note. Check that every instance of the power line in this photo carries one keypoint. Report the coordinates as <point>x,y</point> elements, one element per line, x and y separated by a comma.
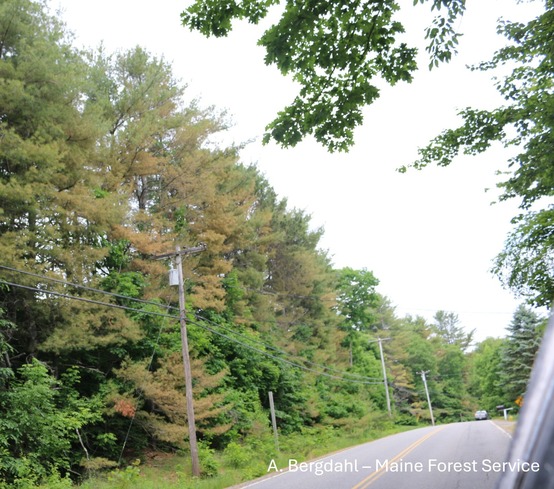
<point>166,306</point>
<point>291,296</point>
<point>353,374</point>
<point>142,301</point>
<point>418,309</point>
<point>203,326</point>
<point>260,291</point>
<point>90,301</point>
<point>85,287</point>
<point>283,359</point>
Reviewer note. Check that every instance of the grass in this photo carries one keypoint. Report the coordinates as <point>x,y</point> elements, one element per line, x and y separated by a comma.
<point>236,464</point>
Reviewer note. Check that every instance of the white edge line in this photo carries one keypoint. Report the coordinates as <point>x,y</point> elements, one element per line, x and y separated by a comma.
<point>286,470</point>
<point>501,429</point>
<point>264,479</point>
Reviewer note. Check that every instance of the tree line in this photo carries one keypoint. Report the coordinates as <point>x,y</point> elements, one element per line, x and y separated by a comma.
<point>103,166</point>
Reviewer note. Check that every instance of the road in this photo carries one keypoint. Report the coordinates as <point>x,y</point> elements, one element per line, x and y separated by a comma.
<point>452,456</point>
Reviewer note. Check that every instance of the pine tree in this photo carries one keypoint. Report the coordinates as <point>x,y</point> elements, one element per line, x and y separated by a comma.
<point>447,326</point>
<point>518,354</point>
<point>53,218</point>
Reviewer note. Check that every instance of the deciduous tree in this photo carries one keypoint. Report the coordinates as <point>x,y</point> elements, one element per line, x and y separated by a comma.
<point>336,50</point>
<point>526,122</point>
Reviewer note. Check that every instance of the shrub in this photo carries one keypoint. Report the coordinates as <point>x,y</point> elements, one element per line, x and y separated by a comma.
<point>208,463</point>
<point>237,456</point>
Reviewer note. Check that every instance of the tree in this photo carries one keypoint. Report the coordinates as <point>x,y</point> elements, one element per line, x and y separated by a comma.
<point>336,50</point>
<point>357,303</point>
<point>52,217</point>
<point>413,348</point>
<point>357,299</point>
<point>451,398</point>
<point>162,391</point>
<point>45,185</point>
<point>485,370</point>
<point>526,263</point>
<point>527,122</point>
<point>447,326</point>
<point>520,349</point>
<point>41,418</point>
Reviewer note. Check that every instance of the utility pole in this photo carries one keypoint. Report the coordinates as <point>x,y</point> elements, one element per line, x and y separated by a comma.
<point>385,382</point>
<point>185,351</point>
<point>273,420</point>
<point>385,374</point>
<point>428,398</point>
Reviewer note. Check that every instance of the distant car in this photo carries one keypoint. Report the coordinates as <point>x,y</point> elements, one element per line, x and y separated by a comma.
<point>479,415</point>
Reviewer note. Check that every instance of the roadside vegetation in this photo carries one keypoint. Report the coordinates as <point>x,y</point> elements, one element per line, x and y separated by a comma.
<point>237,463</point>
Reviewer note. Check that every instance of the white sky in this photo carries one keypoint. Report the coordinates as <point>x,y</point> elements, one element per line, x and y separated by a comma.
<point>428,236</point>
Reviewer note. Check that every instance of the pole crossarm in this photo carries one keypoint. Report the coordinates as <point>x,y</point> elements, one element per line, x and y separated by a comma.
<point>185,251</point>
<point>379,339</point>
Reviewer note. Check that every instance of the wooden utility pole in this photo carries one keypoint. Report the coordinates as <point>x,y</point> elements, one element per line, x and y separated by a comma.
<point>185,352</point>
<point>273,420</point>
<point>385,382</point>
<point>428,398</point>
<point>385,374</point>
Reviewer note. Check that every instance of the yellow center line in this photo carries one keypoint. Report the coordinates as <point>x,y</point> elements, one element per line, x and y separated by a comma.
<point>378,473</point>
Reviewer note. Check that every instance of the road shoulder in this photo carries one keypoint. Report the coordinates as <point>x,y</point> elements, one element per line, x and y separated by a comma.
<point>507,427</point>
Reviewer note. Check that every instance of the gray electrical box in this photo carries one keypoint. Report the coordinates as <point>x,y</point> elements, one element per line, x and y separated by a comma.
<point>173,276</point>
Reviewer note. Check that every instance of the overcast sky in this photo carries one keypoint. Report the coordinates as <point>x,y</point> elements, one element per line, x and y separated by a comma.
<point>429,236</point>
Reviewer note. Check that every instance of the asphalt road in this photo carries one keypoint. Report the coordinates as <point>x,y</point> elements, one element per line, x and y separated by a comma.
<point>453,456</point>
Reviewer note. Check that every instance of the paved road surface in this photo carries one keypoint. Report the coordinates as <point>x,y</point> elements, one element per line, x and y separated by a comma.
<point>453,456</point>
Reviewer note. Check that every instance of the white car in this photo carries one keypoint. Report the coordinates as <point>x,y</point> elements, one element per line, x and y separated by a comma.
<point>481,415</point>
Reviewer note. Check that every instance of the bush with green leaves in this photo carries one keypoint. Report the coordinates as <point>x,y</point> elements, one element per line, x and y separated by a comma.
<point>39,424</point>
<point>208,461</point>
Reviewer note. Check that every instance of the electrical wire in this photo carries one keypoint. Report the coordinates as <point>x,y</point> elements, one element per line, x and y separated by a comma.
<point>203,326</point>
<point>198,316</point>
<point>303,367</point>
<point>90,301</point>
<point>290,296</point>
<point>168,307</point>
<point>84,287</point>
<point>353,374</point>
